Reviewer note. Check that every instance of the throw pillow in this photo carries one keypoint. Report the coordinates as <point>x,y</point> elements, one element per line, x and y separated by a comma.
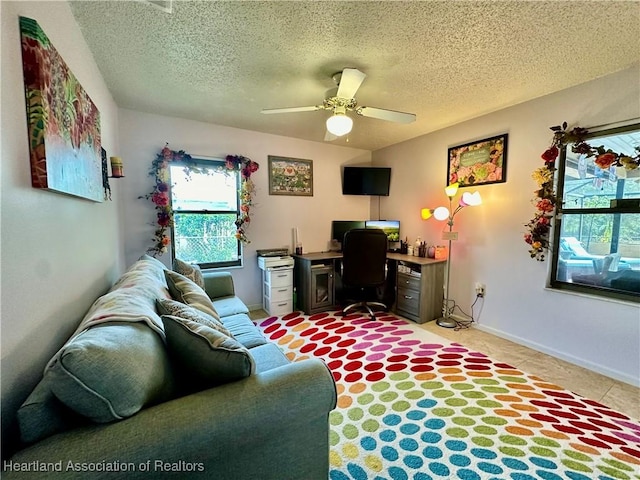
<point>205,356</point>
<point>191,271</point>
<point>177,309</point>
<point>186,291</point>
<point>111,371</point>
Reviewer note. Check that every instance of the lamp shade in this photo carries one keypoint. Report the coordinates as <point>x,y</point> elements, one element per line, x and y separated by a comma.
<point>470,199</point>
<point>426,213</point>
<point>451,190</point>
<point>441,213</point>
<point>339,124</point>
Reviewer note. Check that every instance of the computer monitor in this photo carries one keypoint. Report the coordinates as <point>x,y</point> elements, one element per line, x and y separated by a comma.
<point>340,227</point>
<point>390,227</point>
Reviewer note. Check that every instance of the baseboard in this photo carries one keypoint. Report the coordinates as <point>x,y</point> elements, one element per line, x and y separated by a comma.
<point>615,374</point>
<point>254,307</point>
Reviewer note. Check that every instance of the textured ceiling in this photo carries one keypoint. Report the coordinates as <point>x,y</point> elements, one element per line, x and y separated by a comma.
<point>446,61</point>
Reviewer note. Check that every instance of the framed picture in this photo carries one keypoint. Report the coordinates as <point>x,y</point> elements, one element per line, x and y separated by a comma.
<point>105,175</point>
<point>478,163</point>
<point>290,176</point>
<point>63,122</point>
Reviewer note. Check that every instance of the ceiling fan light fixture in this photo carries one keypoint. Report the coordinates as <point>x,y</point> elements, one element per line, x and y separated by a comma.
<point>339,124</point>
<point>341,100</point>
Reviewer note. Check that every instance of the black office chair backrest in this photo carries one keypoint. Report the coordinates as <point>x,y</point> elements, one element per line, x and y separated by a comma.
<point>364,257</point>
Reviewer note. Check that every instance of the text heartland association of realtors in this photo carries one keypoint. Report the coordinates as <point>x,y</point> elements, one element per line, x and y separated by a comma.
<point>104,466</point>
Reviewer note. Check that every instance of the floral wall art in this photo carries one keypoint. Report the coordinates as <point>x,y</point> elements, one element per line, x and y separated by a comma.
<point>63,123</point>
<point>478,163</point>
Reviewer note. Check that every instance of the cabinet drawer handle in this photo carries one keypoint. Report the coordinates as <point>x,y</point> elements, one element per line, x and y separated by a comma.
<point>282,304</point>
<point>283,275</point>
<point>283,289</point>
<point>408,297</point>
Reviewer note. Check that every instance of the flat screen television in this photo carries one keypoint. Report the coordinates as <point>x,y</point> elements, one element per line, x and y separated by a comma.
<point>390,227</point>
<point>340,227</point>
<point>366,181</point>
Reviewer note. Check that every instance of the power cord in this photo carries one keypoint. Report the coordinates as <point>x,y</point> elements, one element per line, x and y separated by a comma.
<point>460,324</point>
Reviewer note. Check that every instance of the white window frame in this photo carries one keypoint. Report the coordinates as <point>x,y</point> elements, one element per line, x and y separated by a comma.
<point>216,167</point>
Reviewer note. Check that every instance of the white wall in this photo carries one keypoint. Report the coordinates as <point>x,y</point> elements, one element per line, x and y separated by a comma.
<point>58,253</point>
<point>599,334</point>
<point>142,136</point>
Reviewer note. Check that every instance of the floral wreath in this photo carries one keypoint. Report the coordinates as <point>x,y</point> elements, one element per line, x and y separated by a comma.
<point>160,195</point>
<point>546,199</point>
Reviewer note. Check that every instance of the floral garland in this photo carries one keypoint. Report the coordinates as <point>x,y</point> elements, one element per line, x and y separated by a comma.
<point>546,199</point>
<point>160,195</point>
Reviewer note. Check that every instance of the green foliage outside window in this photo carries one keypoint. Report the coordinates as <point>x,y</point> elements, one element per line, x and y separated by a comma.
<point>205,238</point>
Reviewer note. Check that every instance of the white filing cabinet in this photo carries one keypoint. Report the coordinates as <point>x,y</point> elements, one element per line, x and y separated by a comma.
<point>277,290</point>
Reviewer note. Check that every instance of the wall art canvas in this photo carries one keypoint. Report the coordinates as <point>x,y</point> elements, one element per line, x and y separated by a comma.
<point>63,123</point>
<point>478,163</point>
<point>290,176</point>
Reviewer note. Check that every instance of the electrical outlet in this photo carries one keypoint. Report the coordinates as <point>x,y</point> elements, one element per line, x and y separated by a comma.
<point>480,289</point>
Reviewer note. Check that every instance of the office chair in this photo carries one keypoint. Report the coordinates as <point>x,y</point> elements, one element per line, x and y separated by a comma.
<point>364,258</point>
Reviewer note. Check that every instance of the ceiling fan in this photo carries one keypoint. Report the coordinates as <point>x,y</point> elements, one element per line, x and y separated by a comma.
<point>343,101</point>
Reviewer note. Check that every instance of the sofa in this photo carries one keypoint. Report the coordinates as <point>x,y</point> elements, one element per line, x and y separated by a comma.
<point>167,377</point>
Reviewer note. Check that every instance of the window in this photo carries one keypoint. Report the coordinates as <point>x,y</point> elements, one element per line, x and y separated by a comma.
<point>597,235</point>
<point>205,206</point>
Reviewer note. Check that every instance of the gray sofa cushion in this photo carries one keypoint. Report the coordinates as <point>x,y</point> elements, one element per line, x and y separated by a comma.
<point>205,356</point>
<point>112,370</point>
<point>268,357</point>
<point>227,306</point>
<point>244,330</point>
<point>218,284</point>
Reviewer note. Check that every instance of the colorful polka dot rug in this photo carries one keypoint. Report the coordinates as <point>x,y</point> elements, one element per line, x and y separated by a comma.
<point>414,406</point>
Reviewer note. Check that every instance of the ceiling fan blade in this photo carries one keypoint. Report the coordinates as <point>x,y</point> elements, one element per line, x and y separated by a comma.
<point>390,115</point>
<point>330,137</point>
<point>292,109</point>
<point>350,82</point>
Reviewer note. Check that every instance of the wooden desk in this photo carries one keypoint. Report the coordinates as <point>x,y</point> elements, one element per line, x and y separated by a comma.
<point>418,295</point>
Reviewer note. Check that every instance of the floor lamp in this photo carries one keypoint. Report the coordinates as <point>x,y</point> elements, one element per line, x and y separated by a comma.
<point>443,213</point>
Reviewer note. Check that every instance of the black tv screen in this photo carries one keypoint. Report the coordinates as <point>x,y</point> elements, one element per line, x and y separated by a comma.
<point>340,227</point>
<point>366,181</point>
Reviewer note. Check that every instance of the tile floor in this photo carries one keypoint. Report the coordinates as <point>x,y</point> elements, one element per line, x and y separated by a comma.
<point>618,395</point>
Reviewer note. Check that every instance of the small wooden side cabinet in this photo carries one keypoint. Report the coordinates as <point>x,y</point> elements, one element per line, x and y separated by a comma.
<point>314,280</point>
